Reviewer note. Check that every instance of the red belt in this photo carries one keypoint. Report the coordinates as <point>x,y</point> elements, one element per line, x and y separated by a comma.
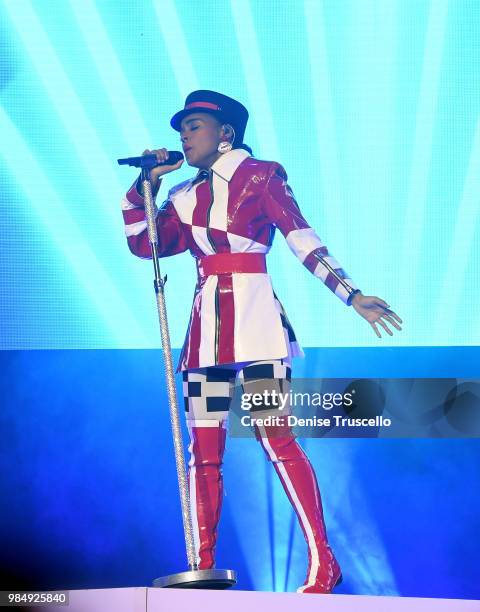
<point>226,263</point>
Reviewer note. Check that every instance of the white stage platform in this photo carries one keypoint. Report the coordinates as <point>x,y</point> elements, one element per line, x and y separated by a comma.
<point>143,599</point>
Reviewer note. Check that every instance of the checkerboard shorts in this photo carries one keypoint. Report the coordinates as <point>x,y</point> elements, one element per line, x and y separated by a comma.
<point>208,391</point>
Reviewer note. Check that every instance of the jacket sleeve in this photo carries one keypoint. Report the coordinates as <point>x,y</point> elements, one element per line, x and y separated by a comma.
<point>282,210</point>
<point>171,236</point>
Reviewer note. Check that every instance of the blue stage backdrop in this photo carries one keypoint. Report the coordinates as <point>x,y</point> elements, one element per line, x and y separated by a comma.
<point>89,497</point>
<point>373,108</point>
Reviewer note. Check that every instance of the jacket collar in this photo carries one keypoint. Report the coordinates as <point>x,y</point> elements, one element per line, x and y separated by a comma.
<point>224,167</point>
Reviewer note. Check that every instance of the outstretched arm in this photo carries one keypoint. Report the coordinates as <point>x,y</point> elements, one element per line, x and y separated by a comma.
<point>282,209</point>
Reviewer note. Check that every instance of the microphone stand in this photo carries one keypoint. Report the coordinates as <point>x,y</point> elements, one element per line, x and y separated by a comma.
<point>193,577</point>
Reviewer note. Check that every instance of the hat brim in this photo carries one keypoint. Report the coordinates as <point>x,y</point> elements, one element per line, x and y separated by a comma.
<point>177,119</point>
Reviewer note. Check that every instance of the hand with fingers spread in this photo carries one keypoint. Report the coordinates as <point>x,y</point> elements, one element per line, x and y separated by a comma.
<point>376,311</point>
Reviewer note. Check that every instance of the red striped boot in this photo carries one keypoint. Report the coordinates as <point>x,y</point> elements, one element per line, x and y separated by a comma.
<point>205,480</point>
<point>300,484</point>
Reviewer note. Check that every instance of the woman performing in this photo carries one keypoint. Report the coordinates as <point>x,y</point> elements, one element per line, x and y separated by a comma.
<point>226,217</point>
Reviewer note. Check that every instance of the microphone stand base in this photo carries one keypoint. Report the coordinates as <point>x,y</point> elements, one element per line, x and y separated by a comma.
<point>198,579</point>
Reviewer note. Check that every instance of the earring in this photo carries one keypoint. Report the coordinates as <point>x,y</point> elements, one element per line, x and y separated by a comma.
<point>224,147</point>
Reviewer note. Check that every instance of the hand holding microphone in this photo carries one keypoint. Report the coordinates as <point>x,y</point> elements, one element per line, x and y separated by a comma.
<point>145,161</point>
<point>158,171</point>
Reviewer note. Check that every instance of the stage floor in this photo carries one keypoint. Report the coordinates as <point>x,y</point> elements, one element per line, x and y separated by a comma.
<point>143,599</point>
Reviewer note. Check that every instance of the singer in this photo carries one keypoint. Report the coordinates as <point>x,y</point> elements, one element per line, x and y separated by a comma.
<point>226,216</point>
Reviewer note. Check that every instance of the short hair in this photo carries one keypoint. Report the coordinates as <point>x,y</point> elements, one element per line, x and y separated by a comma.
<point>242,145</point>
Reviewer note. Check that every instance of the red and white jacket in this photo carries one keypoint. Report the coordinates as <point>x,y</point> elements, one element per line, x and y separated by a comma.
<point>235,208</point>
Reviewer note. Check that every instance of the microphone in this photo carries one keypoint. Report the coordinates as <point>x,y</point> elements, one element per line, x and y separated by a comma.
<point>150,160</point>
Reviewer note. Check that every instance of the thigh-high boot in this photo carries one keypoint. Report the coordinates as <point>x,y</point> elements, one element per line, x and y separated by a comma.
<point>299,481</point>
<point>207,445</point>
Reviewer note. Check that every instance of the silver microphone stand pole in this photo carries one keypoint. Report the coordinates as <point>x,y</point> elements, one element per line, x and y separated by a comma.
<point>193,577</point>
